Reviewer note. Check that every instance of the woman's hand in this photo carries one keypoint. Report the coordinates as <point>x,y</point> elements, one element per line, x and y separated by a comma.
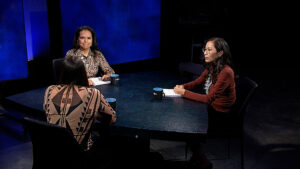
<point>179,89</point>
<point>180,86</point>
<point>105,77</point>
<point>91,83</point>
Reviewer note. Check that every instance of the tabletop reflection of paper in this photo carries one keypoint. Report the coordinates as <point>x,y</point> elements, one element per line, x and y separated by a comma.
<point>171,93</point>
<point>97,81</point>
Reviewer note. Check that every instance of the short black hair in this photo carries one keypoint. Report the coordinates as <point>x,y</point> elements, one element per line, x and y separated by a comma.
<point>73,72</point>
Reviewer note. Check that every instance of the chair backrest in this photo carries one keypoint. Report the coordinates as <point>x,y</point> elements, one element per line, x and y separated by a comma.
<point>57,67</point>
<point>53,146</point>
<point>245,88</point>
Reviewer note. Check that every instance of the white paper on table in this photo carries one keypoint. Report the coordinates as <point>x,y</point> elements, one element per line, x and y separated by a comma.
<point>171,93</point>
<point>97,81</point>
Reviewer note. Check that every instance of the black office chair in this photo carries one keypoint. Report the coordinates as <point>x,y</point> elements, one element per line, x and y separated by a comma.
<point>57,67</point>
<point>53,146</point>
<point>245,88</point>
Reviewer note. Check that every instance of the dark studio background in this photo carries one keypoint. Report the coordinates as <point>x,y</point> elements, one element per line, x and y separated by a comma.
<point>263,37</point>
<point>259,35</point>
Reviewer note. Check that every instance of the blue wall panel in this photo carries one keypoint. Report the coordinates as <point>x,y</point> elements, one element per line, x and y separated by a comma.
<point>13,55</point>
<point>37,28</point>
<point>127,30</point>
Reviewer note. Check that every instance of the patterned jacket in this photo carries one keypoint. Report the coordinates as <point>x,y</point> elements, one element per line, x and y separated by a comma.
<point>94,62</point>
<point>75,108</point>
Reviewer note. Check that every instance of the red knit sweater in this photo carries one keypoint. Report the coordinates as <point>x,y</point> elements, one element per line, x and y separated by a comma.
<point>221,95</point>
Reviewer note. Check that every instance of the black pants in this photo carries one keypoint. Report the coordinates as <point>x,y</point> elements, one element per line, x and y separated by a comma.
<point>218,121</point>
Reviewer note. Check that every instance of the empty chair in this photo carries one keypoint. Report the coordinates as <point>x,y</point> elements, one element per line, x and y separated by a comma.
<point>53,146</point>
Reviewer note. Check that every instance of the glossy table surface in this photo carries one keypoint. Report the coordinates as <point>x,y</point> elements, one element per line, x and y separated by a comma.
<point>138,110</point>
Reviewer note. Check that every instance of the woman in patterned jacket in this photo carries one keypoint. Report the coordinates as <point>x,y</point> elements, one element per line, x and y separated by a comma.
<point>74,105</point>
<point>85,47</point>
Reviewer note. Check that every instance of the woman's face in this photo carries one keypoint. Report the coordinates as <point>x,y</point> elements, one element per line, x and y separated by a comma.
<point>85,39</point>
<point>210,52</point>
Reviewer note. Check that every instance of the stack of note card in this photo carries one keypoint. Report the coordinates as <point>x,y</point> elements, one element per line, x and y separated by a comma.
<point>171,93</point>
<point>97,81</point>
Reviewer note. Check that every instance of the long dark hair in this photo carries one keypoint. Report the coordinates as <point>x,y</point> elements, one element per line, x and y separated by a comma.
<point>76,36</point>
<point>73,72</point>
<point>215,67</point>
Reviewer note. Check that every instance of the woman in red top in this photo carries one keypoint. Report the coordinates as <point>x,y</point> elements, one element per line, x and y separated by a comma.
<point>218,83</point>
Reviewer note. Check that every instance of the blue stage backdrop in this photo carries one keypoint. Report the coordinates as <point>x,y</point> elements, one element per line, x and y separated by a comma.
<point>127,30</point>
<point>13,55</point>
